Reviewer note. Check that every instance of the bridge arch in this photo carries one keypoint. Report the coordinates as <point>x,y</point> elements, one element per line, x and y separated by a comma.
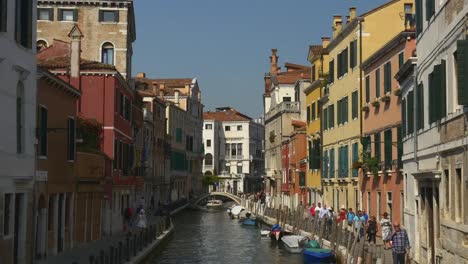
<point>231,196</point>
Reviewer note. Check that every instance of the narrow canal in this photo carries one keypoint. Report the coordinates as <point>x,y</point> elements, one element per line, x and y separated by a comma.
<point>212,237</point>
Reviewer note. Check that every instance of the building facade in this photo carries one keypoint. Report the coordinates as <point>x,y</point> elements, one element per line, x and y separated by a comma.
<point>382,184</point>
<point>435,136</point>
<point>109,28</point>
<point>233,145</point>
<point>342,128</point>
<point>281,107</point>
<point>18,115</point>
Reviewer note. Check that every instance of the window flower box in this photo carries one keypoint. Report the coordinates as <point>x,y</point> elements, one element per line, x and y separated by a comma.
<point>365,108</point>
<point>397,92</point>
<point>376,103</point>
<point>385,98</point>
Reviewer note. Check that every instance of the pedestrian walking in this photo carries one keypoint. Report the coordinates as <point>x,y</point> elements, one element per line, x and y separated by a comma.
<point>400,244</point>
<point>141,221</point>
<point>386,225</point>
<point>372,229</point>
<point>350,218</point>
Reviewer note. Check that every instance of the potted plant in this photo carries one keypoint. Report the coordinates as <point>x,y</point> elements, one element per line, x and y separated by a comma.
<point>365,108</point>
<point>397,91</point>
<point>385,98</point>
<point>376,103</point>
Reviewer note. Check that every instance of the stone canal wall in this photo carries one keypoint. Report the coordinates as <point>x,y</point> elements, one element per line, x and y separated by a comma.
<point>340,237</point>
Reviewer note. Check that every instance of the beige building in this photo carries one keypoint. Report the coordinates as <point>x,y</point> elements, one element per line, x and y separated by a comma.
<point>109,27</point>
<point>281,107</point>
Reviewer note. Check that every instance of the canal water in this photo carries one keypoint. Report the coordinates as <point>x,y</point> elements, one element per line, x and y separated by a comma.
<point>212,237</point>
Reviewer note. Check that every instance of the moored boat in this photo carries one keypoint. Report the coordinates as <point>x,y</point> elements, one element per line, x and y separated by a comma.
<point>249,222</point>
<point>265,232</point>
<point>235,211</point>
<point>294,243</point>
<point>214,203</point>
<point>318,255</point>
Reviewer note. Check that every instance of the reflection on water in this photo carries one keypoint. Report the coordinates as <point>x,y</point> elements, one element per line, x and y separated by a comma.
<point>212,237</point>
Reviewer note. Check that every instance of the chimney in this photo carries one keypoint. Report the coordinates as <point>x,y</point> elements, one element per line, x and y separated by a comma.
<point>162,87</point>
<point>274,62</point>
<point>176,97</point>
<point>337,25</point>
<point>325,41</point>
<point>75,35</point>
<point>348,20</point>
<point>352,13</point>
<point>141,75</point>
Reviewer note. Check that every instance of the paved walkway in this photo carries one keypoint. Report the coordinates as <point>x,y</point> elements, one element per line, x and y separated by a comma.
<point>81,252</point>
<point>378,251</point>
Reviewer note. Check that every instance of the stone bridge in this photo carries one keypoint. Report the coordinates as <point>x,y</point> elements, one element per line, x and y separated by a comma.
<point>231,196</point>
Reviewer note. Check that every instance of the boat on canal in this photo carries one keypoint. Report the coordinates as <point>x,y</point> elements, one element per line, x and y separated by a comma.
<point>318,255</point>
<point>294,243</point>
<point>235,211</point>
<point>249,222</point>
<point>265,232</point>
<point>277,232</point>
<point>214,204</point>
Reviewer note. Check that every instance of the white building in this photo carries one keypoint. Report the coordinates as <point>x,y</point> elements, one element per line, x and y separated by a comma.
<point>436,136</point>
<point>18,116</point>
<point>234,150</point>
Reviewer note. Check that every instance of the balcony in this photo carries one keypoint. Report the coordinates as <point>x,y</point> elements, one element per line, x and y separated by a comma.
<point>284,107</point>
<point>236,157</point>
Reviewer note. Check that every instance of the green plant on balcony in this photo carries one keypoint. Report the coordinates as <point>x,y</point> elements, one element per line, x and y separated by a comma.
<point>367,164</point>
<point>365,108</point>
<point>90,132</point>
<point>397,92</point>
<point>376,103</point>
<point>385,98</point>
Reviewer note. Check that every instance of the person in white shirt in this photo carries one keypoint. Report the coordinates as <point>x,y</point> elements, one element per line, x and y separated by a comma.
<point>323,211</point>
<point>318,209</point>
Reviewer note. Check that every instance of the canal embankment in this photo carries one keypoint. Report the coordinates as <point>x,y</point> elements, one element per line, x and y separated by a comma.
<point>330,233</point>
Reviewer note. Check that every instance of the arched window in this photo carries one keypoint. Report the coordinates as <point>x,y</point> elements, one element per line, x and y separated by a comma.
<point>107,55</point>
<point>40,45</point>
<point>208,159</point>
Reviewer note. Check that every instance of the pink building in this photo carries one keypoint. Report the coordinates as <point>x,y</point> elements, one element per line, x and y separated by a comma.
<point>381,185</point>
<point>107,98</point>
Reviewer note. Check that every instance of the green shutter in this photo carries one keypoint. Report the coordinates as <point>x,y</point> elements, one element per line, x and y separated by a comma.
<point>346,161</point>
<point>410,116</point>
<point>436,92</point>
<point>367,89</point>
<point>387,77</point>
<point>325,119</point>
<point>346,107</point>
<point>354,102</point>
<point>377,146</point>
<point>331,115</point>
<point>351,54</point>
<point>401,59</point>
<point>331,71</point>
<point>338,112</point>
<point>355,158</point>
<point>443,89</point>
<point>430,9</point>
<point>308,114</point>
<point>332,163</point>
<point>400,146</point>
<point>325,164</point>
<point>403,116</point>
<point>377,83</point>
<point>420,106</point>
<point>462,71</point>
<point>313,111</point>
<point>419,17</point>
<point>388,148</point>
<point>310,153</point>
<point>345,63</point>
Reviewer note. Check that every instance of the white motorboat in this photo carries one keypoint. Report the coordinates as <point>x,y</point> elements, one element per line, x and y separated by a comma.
<point>265,232</point>
<point>214,203</point>
<point>294,243</point>
<point>235,211</point>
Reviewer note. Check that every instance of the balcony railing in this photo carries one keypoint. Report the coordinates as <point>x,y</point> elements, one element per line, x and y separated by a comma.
<point>284,107</point>
<point>236,157</point>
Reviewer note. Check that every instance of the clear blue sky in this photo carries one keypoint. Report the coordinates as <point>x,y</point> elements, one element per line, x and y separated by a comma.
<point>226,44</point>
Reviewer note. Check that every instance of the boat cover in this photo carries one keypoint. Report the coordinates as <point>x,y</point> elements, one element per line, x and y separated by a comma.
<point>293,241</point>
<point>237,209</point>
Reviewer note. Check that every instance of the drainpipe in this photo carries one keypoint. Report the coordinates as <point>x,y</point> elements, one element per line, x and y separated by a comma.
<point>415,104</point>
<point>360,82</point>
<point>321,134</point>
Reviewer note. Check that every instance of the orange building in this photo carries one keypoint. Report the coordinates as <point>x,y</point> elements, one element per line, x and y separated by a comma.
<point>381,183</point>
<point>298,162</point>
<point>56,160</point>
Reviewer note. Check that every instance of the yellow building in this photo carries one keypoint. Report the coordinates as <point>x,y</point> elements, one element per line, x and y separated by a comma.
<point>341,112</point>
<point>318,58</point>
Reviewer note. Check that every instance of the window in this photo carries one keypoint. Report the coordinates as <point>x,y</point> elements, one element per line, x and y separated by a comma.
<point>331,116</point>
<point>209,126</point>
<point>68,15</point>
<point>401,59</point>
<point>420,106</point>
<point>377,83</point>
<point>461,64</point>
<point>239,168</point>
<point>3,15</point>
<point>108,16</point>
<point>353,54</point>
<point>389,205</point>
<point>227,149</point>
<point>459,194</point>
<point>388,148</point>
<point>71,139</point>
<point>342,113</point>
<point>355,154</point>
<point>354,102</point>
<point>419,17</point>
<point>403,116</point>
<point>239,128</point>
<point>313,72</point>
<point>325,119</point>
<point>42,125</point>
<point>7,214</point>
<point>342,63</point>
<point>332,163</point>
<point>437,93</point>
<point>20,118</point>
<point>325,163</point>
<point>50,225</point>
<point>368,203</point>
<point>287,99</point>
<point>208,159</point>
<point>107,53</point>
<point>208,143</point>
<point>179,134</point>
<point>447,190</point>
<point>367,89</point>
<point>239,149</point>
<point>331,73</point>
<point>430,9</point>
<point>23,23</point>
<point>399,147</point>
<point>313,111</point>
<point>410,115</point>
<point>116,154</point>
<point>377,146</point>
<point>45,14</point>
<point>40,45</point>
<point>379,204</point>
<point>227,128</point>
<point>308,114</point>
<point>387,77</point>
